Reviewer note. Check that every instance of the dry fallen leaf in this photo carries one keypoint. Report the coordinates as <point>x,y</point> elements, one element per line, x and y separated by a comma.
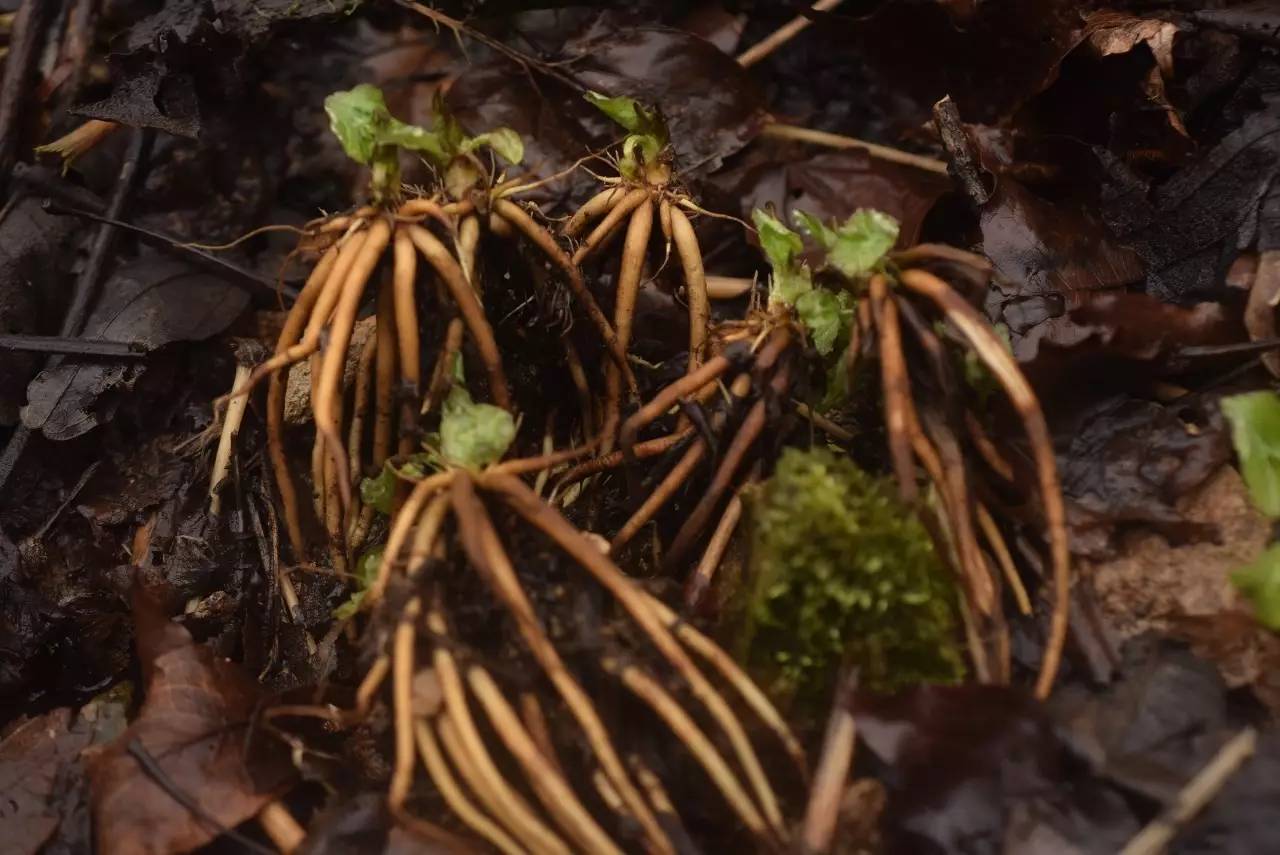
<point>193,724</point>
<point>1115,32</point>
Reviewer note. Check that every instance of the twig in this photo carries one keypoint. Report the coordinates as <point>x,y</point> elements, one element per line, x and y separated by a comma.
<point>73,346</point>
<point>823,810</point>
<point>783,34</point>
<point>35,180</point>
<point>24,50</point>
<point>955,139</point>
<point>71,497</point>
<point>60,208</point>
<point>700,582</point>
<point>86,285</point>
<point>1193,798</point>
<point>78,42</point>
<point>82,296</point>
<point>779,131</point>
<point>227,439</point>
<point>823,423</point>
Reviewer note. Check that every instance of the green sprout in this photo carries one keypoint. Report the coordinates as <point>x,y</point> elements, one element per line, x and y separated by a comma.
<point>1255,431</point>
<point>369,134</point>
<point>474,435</point>
<point>471,436</point>
<point>843,574</point>
<point>646,132</point>
<point>366,573</point>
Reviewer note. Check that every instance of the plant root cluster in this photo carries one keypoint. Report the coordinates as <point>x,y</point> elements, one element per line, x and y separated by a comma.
<point>531,758</point>
<point>486,753</point>
<point>388,384</point>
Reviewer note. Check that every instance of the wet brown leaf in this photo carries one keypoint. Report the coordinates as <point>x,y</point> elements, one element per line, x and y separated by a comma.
<point>1042,248</point>
<point>1189,229</point>
<point>1112,33</point>
<point>1079,331</point>
<point>42,774</point>
<point>193,724</point>
<point>152,302</point>
<point>711,106</point>
<point>663,67</point>
<point>834,185</point>
<point>990,56</point>
<point>979,769</point>
<point>31,758</point>
<point>1126,463</point>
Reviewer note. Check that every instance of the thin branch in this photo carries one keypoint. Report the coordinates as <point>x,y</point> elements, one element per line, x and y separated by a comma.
<point>60,208</point>
<point>823,811</point>
<point>779,131</point>
<point>783,34</point>
<point>1193,798</point>
<point>162,780</point>
<point>73,346</point>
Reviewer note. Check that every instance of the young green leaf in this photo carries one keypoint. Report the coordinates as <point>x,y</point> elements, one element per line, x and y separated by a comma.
<point>1255,430</point>
<point>780,244</point>
<point>505,143</point>
<point>825,314</point>
<point>856,246</point>
<point>1260,583</point>
<point>473,435</point>
<point>366,573</point>
<point>818,230</point>
<point>781,247</point>
<point>396,132</point>
<point>379,493</point>
<point>358,117</point>
<point>862,241</point>
<point>627,112</point>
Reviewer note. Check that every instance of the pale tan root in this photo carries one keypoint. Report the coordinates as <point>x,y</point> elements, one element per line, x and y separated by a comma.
<point>553,791</point>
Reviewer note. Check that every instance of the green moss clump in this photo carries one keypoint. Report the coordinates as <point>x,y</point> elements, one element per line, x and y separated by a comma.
<point>842,572</point>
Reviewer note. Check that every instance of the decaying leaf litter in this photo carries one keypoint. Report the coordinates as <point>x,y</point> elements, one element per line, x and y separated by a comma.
<point>436,428</point>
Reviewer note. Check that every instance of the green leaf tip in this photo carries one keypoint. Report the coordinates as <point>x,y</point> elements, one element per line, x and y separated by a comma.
<point>782,248</point>
<point>627,112</point>
<point>825,314</point>
<point>1259,582</point>
<point>1255,431</point>
<point>366,573</point>
<point>780,244</point>
<point>356,117</point>
<point>474,435</point>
